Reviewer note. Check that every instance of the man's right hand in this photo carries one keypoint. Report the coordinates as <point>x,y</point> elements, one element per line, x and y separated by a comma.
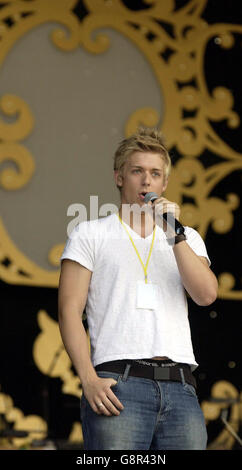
<point>101,398</point>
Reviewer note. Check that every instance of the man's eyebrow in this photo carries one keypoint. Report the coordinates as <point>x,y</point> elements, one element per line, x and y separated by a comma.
<point>152,169</point>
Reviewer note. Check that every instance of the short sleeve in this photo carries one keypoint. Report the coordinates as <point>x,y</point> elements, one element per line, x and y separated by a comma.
<point>80,247</point>
<point>196,242</point>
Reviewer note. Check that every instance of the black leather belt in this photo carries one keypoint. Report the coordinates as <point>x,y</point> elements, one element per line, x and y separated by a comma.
<point>159,371</point>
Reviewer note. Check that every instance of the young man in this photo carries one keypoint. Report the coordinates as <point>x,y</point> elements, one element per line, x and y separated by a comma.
<point>131,273</point>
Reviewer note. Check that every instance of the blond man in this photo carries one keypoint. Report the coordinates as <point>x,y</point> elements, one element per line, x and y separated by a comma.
<point>131,272</point>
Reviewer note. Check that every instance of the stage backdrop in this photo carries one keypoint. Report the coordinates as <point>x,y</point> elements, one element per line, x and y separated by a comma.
<point>76,77</point>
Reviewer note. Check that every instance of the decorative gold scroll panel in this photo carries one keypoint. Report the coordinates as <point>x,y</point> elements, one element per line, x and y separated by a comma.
<point>191,135</point>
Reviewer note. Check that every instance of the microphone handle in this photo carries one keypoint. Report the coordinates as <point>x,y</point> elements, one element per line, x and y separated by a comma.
<point>174,223</point>
<point>167,216</point>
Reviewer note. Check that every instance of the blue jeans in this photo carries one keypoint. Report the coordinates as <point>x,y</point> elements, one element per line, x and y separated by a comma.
<point>157,415</point>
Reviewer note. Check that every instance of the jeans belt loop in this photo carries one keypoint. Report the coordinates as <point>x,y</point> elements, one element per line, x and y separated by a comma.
<point>182,376</point>
<point>126,372</point>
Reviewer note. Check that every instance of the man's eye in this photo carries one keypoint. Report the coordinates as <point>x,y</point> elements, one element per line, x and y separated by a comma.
<point>136,171</point>
<point>156,173</point>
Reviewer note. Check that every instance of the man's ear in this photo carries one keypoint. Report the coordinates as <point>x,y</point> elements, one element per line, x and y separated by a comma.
<point>118,178</point>
<point>165,183</point>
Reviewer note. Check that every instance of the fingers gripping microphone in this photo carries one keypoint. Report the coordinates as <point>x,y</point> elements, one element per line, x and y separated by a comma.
<point>167,216</point>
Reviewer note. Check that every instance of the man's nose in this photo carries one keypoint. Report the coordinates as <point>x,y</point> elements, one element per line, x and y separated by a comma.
<point>146,178</point>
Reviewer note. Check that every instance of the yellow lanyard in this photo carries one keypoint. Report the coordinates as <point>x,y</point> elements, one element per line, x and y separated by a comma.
<point>145,267</point>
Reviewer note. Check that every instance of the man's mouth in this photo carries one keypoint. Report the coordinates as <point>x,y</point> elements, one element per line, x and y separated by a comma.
<point>142,195</point>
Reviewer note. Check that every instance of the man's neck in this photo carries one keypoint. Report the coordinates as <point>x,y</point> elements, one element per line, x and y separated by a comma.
<point>141,222</point>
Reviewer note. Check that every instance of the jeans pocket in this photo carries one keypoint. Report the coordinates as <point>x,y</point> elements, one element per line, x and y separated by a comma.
<point>110,375</point>
<point>190,389</point>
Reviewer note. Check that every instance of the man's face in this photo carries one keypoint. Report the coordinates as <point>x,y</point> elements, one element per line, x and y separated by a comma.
<point>142,173</point>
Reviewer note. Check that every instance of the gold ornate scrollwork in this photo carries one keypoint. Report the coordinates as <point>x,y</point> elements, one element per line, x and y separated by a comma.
<point>145,116</point>
<point>51,357</point>
<point>177,57</point>
<point>55,254</point>
<point>10,179</point>
<point>190,179</point>
<point>34,425</point>
<point>224,396</point>
<point>11,105</point>
<point>16,268</point>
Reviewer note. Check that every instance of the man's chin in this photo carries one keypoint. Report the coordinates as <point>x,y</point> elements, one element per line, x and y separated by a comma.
<point>137,207</point>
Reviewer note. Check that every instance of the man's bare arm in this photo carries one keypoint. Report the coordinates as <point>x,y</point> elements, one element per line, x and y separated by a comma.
<point>198,279</point>
<point>72,296</point>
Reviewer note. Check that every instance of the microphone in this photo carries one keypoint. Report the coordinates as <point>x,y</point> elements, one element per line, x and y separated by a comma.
<point>167,216</point>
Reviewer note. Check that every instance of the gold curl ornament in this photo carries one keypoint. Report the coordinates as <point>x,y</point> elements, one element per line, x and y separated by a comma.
<point>223,396</point>
<point>10,149</point>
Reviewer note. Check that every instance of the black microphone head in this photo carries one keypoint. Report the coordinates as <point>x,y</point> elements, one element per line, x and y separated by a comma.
<point>150,197</point>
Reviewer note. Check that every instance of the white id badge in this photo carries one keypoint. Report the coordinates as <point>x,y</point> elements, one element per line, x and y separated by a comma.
<point>146,295</point>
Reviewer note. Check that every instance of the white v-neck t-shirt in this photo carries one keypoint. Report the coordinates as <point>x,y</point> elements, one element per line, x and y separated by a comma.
<point>117,328</point>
